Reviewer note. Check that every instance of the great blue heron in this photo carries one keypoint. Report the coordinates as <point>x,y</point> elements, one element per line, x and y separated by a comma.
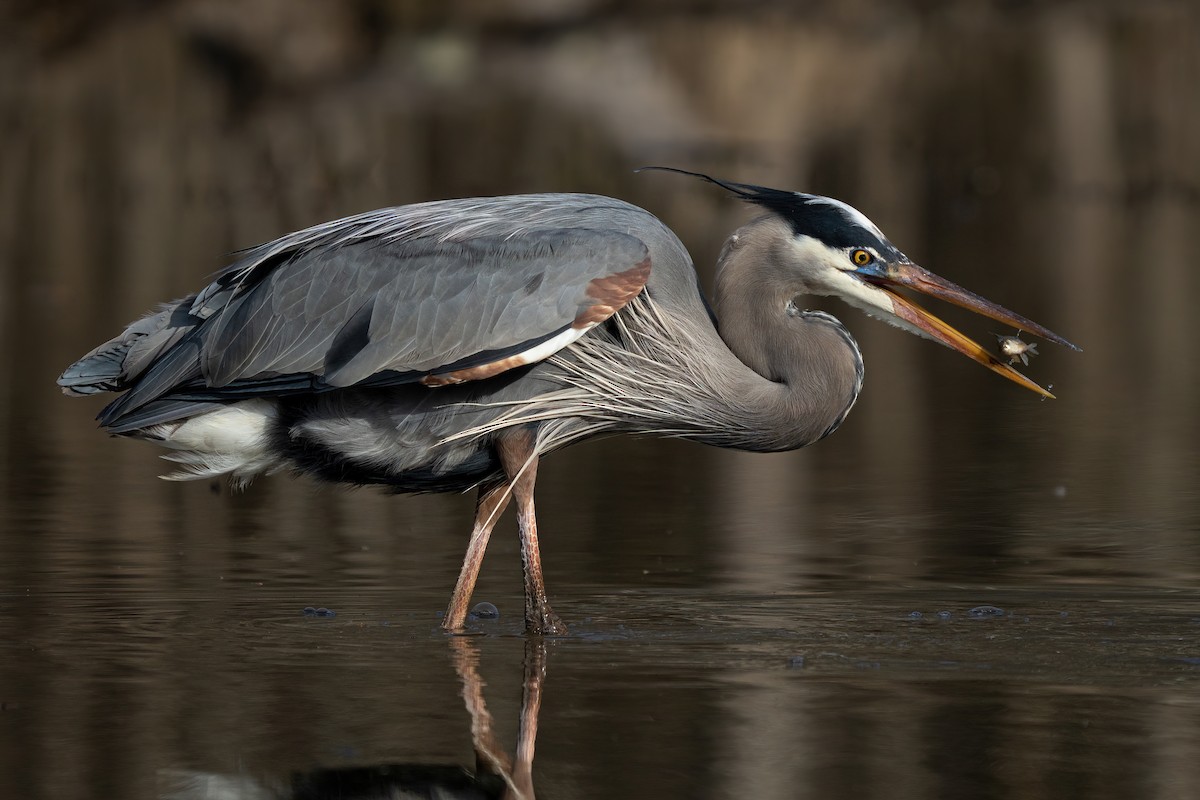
<point>448,345</point>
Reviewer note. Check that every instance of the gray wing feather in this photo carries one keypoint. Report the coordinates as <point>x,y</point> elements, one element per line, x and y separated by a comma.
<point>408,307</point>
<point>402,292</point>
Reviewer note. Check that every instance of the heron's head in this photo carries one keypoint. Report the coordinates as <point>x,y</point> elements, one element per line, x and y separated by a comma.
<point>830,248</point>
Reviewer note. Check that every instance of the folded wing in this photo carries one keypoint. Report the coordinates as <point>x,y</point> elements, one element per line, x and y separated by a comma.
<point>435,293</point>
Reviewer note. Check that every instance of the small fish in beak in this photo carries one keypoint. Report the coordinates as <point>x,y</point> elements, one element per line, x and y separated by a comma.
<point>1015,348</point>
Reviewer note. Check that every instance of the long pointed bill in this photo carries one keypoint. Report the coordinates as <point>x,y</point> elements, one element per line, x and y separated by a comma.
<point>913,277</point>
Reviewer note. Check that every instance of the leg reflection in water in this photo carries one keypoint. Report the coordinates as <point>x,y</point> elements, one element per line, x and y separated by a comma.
<point>490,757</point>
<point>497,776</point>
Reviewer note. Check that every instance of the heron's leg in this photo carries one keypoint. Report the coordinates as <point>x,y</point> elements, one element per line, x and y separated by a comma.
<point>488,507</point>
<point>519,459</point>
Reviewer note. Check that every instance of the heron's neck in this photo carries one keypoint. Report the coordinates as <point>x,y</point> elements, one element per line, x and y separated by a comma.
<point>802,370</point>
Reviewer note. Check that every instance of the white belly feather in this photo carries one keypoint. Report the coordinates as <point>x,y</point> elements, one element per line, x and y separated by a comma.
<point>232,440</point>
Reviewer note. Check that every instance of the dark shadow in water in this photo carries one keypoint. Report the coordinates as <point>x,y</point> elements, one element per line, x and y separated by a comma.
<point>496,774</point>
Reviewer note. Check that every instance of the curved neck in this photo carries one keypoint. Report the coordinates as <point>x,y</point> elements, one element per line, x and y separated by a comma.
<point>804,370</point>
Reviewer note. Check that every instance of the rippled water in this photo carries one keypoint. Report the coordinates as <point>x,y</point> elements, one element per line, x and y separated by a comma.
<point>160,648</point>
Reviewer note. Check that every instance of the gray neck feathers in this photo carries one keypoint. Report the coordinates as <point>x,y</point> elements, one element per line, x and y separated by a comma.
<point>773,378</point>
<point>813,365</point>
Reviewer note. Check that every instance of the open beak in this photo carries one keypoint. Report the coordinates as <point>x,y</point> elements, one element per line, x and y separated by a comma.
<point>919,279</point>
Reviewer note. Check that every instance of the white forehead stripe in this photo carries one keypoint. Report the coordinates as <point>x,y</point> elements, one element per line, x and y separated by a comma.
<point>852,213</point>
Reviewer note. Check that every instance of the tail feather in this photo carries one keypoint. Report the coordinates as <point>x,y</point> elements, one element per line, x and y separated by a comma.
<point>148,357</point>
<point>99,372</point>
<point>114,365</point>
<point>177,366</point>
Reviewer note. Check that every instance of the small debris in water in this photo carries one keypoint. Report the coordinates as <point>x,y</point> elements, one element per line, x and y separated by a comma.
<point>981,612</point>
<point>915,615</point>
<point>484,611</point>
<point>310,611</point>
<point>944,615</point>
<point>1060,491</point>
<point>796,662</point>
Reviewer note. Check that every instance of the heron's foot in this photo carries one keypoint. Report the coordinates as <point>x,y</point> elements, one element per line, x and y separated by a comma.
<point>541,620</point>
<point>463,631</point>
<point>455,618</point>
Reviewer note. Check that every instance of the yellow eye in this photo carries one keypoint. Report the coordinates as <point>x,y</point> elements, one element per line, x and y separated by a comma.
<point>861,257</point>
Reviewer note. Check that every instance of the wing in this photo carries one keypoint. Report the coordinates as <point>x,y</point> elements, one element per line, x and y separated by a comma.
<point>437,293</point>
<point>434,311</point>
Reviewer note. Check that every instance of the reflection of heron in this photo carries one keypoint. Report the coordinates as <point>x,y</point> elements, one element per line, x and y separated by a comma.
<point>490,757</point>
<point>448,345</point>
<point>497,776</point>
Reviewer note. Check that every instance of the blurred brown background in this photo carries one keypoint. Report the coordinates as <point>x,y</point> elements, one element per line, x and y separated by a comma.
<point>1045,155</point>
